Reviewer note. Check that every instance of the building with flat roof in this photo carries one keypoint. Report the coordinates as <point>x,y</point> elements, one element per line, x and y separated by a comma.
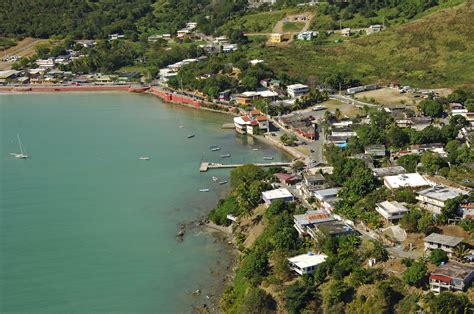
<point>306,263</point>
<point>375,150</point>
<point>278,194</point>
<point>442,242</point>
<point>332,228</point>
<point>327,197</point>
<point>412,180</point>
<point>451,276</point>
<point>297,90</point>
<point>434,199</point>
<point>391,211</point>
<point>311,217</point>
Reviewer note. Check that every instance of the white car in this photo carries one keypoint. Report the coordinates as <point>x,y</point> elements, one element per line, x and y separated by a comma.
<point>317,108</point>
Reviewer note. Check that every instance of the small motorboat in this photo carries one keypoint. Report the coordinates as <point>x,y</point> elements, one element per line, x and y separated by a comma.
<point>268,158</point>
<point>204,190</point>
<point>180,126</point>
<point>143,158</point>
<point>255,149</point>
<point>223,182</point>
<point>225,156</point>
<point>215,179</point>
<point>215,149</point>
<point>191,135</point>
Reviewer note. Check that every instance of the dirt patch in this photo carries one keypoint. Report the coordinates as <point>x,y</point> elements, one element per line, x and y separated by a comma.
<point>388,96</point>
<point>291,25</point>
<point>24,48</point>
<point>456,231</point>
<point>394,266</point>
<point>416,240</point>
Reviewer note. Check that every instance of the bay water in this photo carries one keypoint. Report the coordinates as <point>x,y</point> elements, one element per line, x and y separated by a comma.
<point>87,227</point>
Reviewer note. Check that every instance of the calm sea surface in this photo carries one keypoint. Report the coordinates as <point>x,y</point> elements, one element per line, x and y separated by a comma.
<point>85,226</point>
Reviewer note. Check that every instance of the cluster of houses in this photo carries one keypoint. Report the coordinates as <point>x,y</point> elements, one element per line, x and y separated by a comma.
<point>310,183</point>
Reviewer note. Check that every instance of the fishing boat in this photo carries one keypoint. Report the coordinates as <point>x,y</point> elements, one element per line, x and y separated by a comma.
<point>215,149</point>
<point>204,190</point>
<point>144,158</point>
<point>21,154</point>
<point>223,182</point>
<point>215,179</point>
<point>138,88</point>
<point>191,135</point>
<point>268,158</point>
<point>225,156</point>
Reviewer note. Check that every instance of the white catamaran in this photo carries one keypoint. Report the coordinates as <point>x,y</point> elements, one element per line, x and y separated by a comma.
<point>20,155</point>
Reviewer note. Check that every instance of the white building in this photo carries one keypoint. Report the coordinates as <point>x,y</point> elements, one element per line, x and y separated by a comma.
<point>306,263</point>
<point>311,217</point>
<point>391,211</point>
<point>412,180</point>
<point>229,47</point>
<point>451,276</point>
<point>434,198</point>
<point>45,63</point>
<point>297,90</point>
<point>346,32</point>
<point>278,194</point>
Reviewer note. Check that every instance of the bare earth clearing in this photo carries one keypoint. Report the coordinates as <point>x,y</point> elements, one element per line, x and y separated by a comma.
<point>24,48</point>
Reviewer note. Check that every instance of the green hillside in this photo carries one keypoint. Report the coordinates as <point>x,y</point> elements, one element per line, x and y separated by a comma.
<point>434,51</point>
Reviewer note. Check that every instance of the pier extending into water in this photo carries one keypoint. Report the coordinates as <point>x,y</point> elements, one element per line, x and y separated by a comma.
<point>205,166</point>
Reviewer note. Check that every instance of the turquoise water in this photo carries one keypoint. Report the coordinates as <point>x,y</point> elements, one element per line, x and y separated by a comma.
<point>85,226</point>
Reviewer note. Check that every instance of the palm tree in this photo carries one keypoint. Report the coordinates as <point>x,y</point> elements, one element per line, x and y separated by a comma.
<point>460,251</point>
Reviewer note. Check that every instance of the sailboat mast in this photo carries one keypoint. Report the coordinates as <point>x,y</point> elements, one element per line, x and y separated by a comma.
<point>19,143</point>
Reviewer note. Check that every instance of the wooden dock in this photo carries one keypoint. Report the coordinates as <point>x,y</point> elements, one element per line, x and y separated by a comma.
<point>205,166</point>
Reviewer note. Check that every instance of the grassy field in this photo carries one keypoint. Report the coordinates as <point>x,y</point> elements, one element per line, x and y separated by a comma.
<point>259,22</point>
<point>433,51</point>
<point>293,26</point>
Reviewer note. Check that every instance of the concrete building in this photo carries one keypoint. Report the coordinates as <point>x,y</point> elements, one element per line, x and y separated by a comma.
<point>434,199</point>
<point>412,180</point>
<point>276,38</point>
<point>391,211</point>
<point>297,90</point>
<point>451,276</point>
<point>343,132</point>
<point>306,263</point>
<point>278,194</point>
<point>332,228</point>
<point>311,217</point>
<point>375,150</point>
<point>327,198</point>
<point>443,242</point>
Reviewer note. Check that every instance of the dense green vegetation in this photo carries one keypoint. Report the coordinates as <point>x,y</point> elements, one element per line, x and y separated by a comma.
<point>421,53</point>
<point>98,19</point>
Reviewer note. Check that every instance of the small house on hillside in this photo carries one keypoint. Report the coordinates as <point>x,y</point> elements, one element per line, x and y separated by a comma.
<point>391,211</point>
<point>375,150</point>
<point>451,276</point>
<point>434,198</point>
<point>306,263</point>
<point>442,242</point>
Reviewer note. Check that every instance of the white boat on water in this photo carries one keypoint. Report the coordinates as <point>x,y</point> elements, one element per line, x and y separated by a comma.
<point>215,149</point>
<point>21,154</point>
<point>144,158</point>
<point>215,179</point>
<point>268,158</point>
<point>225,156</point>
<point>204,190</point>
<point>255,149</point>
<point>191,135</point>
<point>223,182</point>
